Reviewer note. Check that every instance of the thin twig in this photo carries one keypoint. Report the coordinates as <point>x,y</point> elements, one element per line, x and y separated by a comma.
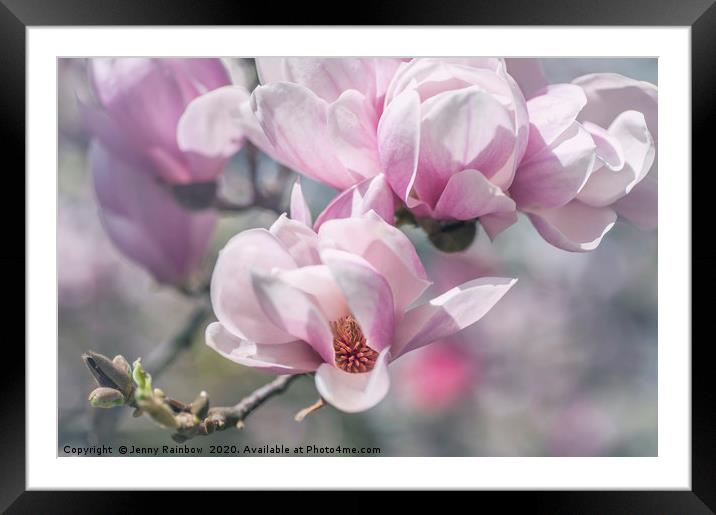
<point>239,411</point>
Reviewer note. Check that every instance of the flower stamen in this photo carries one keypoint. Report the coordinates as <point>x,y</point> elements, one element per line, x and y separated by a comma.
<point>352,352</point>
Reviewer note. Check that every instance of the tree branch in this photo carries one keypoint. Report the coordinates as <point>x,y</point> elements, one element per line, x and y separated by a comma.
<point>118,384</point>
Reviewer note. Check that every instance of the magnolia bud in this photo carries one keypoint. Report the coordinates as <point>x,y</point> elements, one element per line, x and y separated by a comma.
<point>104,397</point>
<point>122,364</point>
<point>109,373</point>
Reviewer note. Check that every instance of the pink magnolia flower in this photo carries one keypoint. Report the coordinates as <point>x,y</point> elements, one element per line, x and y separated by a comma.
<point>143,219</point>
<point>589,152</point>
<point>319,116</point>
<point>337,302</point>
<point>451,136</point>
<point>156,114</point>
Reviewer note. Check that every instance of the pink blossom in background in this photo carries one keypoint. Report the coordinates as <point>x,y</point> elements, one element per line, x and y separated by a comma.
<point>143,112</point>
<point>592,144</point>
<point>439,376</point>
<point>144,221</point>
<point>338,302</point>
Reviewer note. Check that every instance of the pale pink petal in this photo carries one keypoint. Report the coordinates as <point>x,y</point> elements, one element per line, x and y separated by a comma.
<point>232,295</point>
<point>299,240</point>
<point>352,125</point>
<point>462,129</point>
<point>299,207</point>
<point>368,295</point>
<point>495,223</point>
<point>551,113</point>
<point>448,313</point>
<point>327,77</point>
<point>208,130</point>
<point>640,206</point>
<point>610,94</point>
<point>292,310</point>
<point>431,76</point>
<point>318,282</point>
<point>605,186</point>
<point>371,194</point>
<point>287,358</point>
<point>555,175</point>
<point>528,73</point>
<point>575,226</point>
<point>609,150</point>
<point>386,248</point>
<point>271,69</point>
<point>354,392</point>
<point>399,144</point>
<point>294,120</point>
<point>253,131</point>
<point>468,194</point>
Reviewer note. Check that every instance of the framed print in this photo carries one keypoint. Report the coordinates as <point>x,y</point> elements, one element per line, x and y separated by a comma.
<point>426,251</point>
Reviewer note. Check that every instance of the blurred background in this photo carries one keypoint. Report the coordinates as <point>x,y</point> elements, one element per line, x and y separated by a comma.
<point>564,365</point>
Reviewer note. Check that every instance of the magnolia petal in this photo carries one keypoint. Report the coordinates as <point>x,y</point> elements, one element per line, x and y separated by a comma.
<point>232,296</point>
<point>449,313</point>
<point>371,194</point>
<point>468,194</point>
<point>605,186</point>
<point>368,295</point>
<point>208,130</point>
<point>386,248</point>
<point>287,358</point>
<point>610,94</point>
<point>299,240</point>
<point>462,129</point>
<point>318,282</point>
<point>575,227</point>
<point>293,311</point>
<point>640,206</point>
<point>495,223</point>
<point>352,125</point>
<point>294,120</point>
<point>554,176</point>
<point>354,392</point>
<point>327,77</point>
<point>299,207</point>
<point>399,144</point>
<point>609,150</point>
<point>551,113</point>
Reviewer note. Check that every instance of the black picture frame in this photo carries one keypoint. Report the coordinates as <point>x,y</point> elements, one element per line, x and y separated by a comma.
<point>17,15</point>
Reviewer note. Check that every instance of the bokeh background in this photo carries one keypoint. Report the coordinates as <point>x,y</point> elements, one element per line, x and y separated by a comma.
<point>564,365</point>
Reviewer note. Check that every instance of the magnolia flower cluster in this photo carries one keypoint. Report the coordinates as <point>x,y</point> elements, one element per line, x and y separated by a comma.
<point>458,139</point>
<point>439,142</point>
